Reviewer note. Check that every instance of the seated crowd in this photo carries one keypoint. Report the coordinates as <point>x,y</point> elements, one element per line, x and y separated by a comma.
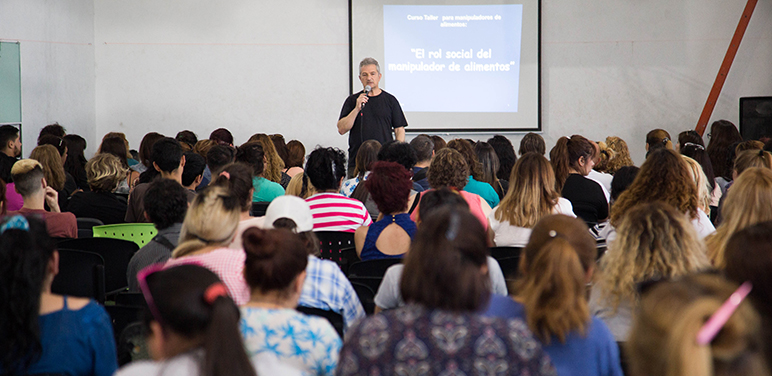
<point>428,257</point>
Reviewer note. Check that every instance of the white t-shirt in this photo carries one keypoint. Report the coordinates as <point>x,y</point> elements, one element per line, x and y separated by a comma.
<point>389,296</point>
<point>506,235</point>
<point>604,180</point>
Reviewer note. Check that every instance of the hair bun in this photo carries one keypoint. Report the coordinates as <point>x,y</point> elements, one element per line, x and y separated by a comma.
<point>253,239</point>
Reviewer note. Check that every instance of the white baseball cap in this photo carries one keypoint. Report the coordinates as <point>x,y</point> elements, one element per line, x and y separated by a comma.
<point>290,207</point>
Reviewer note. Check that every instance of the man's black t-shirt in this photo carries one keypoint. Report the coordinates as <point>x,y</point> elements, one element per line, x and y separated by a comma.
<point>6,163</point>
<point>376,121</point>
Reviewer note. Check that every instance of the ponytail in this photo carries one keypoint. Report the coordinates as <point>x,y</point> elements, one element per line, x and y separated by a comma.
<point>223,345</point>
<point>560,163</point>
<point>552,289</point>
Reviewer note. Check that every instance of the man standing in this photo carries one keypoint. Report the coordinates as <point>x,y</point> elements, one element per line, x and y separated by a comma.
<point>372,115</point>
<point>10,149</point>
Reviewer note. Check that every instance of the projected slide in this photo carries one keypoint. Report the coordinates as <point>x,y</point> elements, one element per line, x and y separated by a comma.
<point>453,58</point>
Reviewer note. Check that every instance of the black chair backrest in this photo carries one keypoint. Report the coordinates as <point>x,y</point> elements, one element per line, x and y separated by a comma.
<point>122,316</point>
<point>258,209</point>
<point>332,242</point>
<point>510,267</point>
<point>505,252</point>
<point>88,223</point>
<point>335,318</point>
<point>372,268</point>
<point>116,252</point>
<point>130,299</point>
<point>347,257</point>
<point>366,295</point>
<point>80,274</point>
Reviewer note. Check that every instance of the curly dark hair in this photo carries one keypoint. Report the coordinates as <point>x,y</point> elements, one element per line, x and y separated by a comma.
<point>400,152</point>
<point>24,256</point>
<point>664,176</point>
<point>467,151</point>
<point>389,185</point>
<point>325,168</point>
<point>448,169</point>
<point>251,154</point>
<point>506,153</point>
<point>166,203</point>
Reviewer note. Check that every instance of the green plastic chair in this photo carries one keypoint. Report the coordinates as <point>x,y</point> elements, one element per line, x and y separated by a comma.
<point>140,233</point>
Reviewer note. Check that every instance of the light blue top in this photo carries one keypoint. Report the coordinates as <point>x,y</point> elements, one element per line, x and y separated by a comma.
<point>285,338</point>
<point>265,190</point>
<point>483,190</point>
<point>594,354</point>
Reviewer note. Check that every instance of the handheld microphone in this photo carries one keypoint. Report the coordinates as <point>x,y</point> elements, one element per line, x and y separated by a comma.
<point>367,91</point>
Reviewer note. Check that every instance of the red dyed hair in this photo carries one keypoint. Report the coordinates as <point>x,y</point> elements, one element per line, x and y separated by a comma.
<point>389,185</point>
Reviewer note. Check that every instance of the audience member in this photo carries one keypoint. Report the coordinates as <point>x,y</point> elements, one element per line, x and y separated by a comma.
<point>237,179</point>
<point>748,257</point>
<point>53,171</point>
<point>599,171</point>
<point>572,160</point>
<point>450,251</point>
<point>3,200</point>
<point>202,148</point>
<point>506,154</point>
<point>366,156</point>
<point>296,155</point>
<point>193,173</point>
<point>207,245</point>
<point>551,297</point>
<point>474,183</point>
<point>748,145</point>
<point>669,336</point>
<point>325,287</point>
<point>104,172</point>
<point>281,148</point>
<point>166,204</point>
<point>218,156</point>
<point>193,325</point>
<point>665,177</point>
<point>722,134</point>
<point>532,142</point>
<point>424,150</point>
<point>439,142</point>
<point>300,186</point>
<point>489,166</point>
<point>389,186</point>
<point>747,203</point>
<point>10,150</point>
<point>222,136</point>
<point>146,153</point>
<point>252,154</point>
<point>332,211</point>
<point>42,332</point>
<point>274,332</point>
<point>30,183</point>
<point>690,136</point>
<point>656,139</point>
<point>751,158</point>
<point>273,162</point>
<point>117,147</point>
<point>53,130</point>
<point>531,197</point>
<point>75,164</point>
<point>701,183</point>
<point>623,178</point>
<point>698,153</point>
<point>449,170</point>
<point>389,296</point>
<point>621,157</point>
<point>654,241</point>
<point>187,140</point>
<point>169,161</point>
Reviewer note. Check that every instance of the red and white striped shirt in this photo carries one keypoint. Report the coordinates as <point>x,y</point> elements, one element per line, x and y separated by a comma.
<point>336,212</point>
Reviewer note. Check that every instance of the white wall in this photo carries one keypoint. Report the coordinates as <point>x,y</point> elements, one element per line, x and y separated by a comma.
<point>610,67</point>
<point>57,64</point>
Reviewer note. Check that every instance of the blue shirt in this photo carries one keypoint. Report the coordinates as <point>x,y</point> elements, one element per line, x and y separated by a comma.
<point>483,190</point>
<point>595,354</point>
<point>265,190</point>
<point>326,287</point>
<point>76,342</point>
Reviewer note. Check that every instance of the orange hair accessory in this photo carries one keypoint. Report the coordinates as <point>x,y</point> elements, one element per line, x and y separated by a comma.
<point>226,174</point>
<point>215,291</point>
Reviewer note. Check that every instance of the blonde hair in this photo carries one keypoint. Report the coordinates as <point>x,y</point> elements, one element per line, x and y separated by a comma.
<point>26,174</point>
<point>621,157</point>
<point>551,284</point>
<point>663,337</point>
<point>654,240</point>
<point>104,172</point>
<point>53,169</point>
<point>531,193</point>
<point>275,163</point>
<point>701,181</point>
<point>295,187</point>
<point>212,219</point>
<point>605,154</point>
<point>752,158</point>
<point>747,203</point>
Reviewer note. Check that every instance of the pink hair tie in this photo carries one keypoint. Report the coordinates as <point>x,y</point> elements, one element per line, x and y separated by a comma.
<point>226,174</point>
<point>717,321</point>
<point>215,291</point>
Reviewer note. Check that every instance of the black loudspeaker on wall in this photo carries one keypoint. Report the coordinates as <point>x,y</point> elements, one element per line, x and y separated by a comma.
<point>756,118</point>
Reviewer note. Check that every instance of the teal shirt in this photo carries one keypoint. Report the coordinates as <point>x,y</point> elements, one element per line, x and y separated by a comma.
<point>266,190</point>
<point>483,190</point>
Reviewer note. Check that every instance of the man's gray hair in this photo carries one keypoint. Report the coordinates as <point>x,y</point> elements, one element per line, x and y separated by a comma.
<point>369,61</point>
